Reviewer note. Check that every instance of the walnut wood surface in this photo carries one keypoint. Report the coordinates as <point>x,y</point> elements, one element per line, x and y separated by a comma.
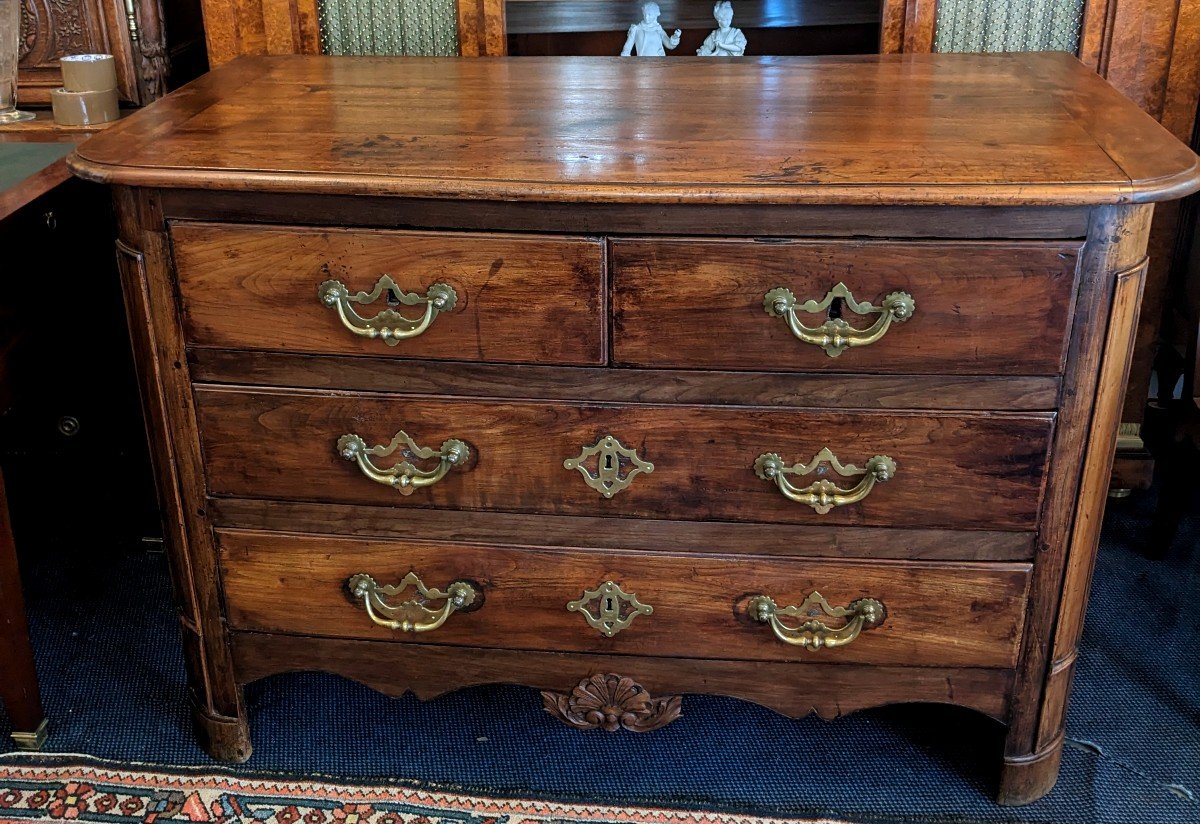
<point>955,470</point>
<point>937,614</point>
<point>236,27</point>
<point>520,298</point>
<point>949,129</point>
<point>991,515</point>
<point>719,219</point>
<point>980,308</point>
<point>1116,246</point>
<point>143,254</point>
<point>795,689</point>
<point>689,386</point>
<point>1085,537</point>
<point>465,526</point>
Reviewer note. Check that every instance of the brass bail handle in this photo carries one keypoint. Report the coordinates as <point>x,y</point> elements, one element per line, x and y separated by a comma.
<point>836,335</point>
<point>813,633</point>
<point>404,477</point>
<point>823,494</point>
<point>388,325</point>
<point>416,613</point>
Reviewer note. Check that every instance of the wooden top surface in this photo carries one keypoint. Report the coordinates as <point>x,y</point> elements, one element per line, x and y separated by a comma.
<point>1020,129</point>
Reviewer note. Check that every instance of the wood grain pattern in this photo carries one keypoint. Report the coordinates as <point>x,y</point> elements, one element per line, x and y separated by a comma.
<point>981,543</point>
<point>845,391</point>
<point>937,615</point>
<point>234,28</point>
<point>951,129</point>
<point>1116,244</point>
<point>829,690</point>
<point>143,253</point>
<point>721,220</point>
<point>955,470</point>
<point>979,307</point>
<point>464,526</point>
<point>1085,535</point>
<point>533,299</point>
<point>481,28</point>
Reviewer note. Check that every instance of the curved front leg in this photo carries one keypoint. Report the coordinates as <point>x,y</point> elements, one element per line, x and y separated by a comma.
<point>823,495</point>
<point>403,476</point>
<point>836,335</point>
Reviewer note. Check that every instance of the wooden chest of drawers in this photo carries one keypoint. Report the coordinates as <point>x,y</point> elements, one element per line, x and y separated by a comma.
<point>535,372</point>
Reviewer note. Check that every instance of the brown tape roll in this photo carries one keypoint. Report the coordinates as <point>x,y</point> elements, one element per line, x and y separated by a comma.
<point>84,108</point>
<point>88,72</point>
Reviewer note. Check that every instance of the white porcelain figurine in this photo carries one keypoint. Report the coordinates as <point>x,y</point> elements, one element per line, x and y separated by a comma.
<point>725,41</point>
<point>648,38</point>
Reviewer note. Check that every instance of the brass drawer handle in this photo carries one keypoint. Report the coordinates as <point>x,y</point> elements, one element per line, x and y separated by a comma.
<point>813,633</point>
<point>835,335</point>
<point>412,615</point>
<point>388,325</point>
<point>823,495</point>
<point>404,476</point>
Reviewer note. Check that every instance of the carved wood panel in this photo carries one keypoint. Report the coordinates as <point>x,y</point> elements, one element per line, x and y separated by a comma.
<point>51,29</point>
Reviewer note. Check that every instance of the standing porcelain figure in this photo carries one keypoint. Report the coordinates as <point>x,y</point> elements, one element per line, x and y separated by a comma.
<point>10,41</point>
<point>647,38</point>
<point>725,41</point>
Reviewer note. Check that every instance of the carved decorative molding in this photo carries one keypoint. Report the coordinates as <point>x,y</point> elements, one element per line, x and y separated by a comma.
<point>52,28</point>
<point>612,702</point>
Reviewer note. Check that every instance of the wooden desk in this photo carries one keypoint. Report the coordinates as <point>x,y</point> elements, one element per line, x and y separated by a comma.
<point>27,172</point>
<point>790,379</point>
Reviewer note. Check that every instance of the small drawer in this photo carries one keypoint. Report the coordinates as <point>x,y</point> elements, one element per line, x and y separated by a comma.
<point>521,299</point>
<point>637,603</point>
<point>970,470</point>
<point>843,306</point>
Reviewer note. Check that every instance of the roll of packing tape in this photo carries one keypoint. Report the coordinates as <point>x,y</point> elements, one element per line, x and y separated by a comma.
<point>88,72</point>
<point>84,108</point>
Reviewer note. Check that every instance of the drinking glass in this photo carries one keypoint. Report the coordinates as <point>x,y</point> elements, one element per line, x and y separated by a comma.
<point>10,44</point>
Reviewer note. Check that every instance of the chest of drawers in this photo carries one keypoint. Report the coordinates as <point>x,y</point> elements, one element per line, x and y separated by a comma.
<point>537,372</point>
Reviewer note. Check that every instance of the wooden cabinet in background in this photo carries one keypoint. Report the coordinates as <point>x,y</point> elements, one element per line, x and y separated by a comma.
<point>144,41</point>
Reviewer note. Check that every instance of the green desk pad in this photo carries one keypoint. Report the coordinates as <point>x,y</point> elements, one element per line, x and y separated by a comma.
<point>19,161</point>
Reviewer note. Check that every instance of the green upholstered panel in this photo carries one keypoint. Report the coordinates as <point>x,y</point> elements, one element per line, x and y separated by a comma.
<point>388,27</point>
<point>1008,25</point>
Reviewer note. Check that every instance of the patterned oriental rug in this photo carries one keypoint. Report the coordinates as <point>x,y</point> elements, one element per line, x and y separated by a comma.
<point>46,788</point>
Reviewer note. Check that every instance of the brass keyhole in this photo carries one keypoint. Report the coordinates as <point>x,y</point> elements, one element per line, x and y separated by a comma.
<point>609,605</point>
<point>608,462</point>
<point>835,309</point>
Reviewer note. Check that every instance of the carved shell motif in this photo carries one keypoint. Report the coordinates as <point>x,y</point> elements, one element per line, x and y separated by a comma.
<point>611,702</point>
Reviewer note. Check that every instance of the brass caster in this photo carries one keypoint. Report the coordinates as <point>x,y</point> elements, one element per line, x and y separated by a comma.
<point>32,741</point>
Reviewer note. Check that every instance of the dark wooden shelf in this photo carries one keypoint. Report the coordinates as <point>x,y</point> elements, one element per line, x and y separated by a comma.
<point>557,16</point>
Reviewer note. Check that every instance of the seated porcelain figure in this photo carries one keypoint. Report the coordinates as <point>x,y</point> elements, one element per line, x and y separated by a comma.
<point>648,38</point>
<point>725,41</point>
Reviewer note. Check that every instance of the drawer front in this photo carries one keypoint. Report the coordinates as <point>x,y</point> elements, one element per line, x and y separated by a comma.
<point>964,308</point>
<point>502,298</point>
<point>664,605</point>
<point>973,470</point>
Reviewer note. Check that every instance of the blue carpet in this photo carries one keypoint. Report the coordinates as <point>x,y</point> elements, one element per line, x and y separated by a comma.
<point>109,657</point>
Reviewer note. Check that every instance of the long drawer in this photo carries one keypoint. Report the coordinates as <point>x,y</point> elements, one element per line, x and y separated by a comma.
<point>844,306</point>
<point>970,470</point>
<point>472,297</point>
<point>905,613</point>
